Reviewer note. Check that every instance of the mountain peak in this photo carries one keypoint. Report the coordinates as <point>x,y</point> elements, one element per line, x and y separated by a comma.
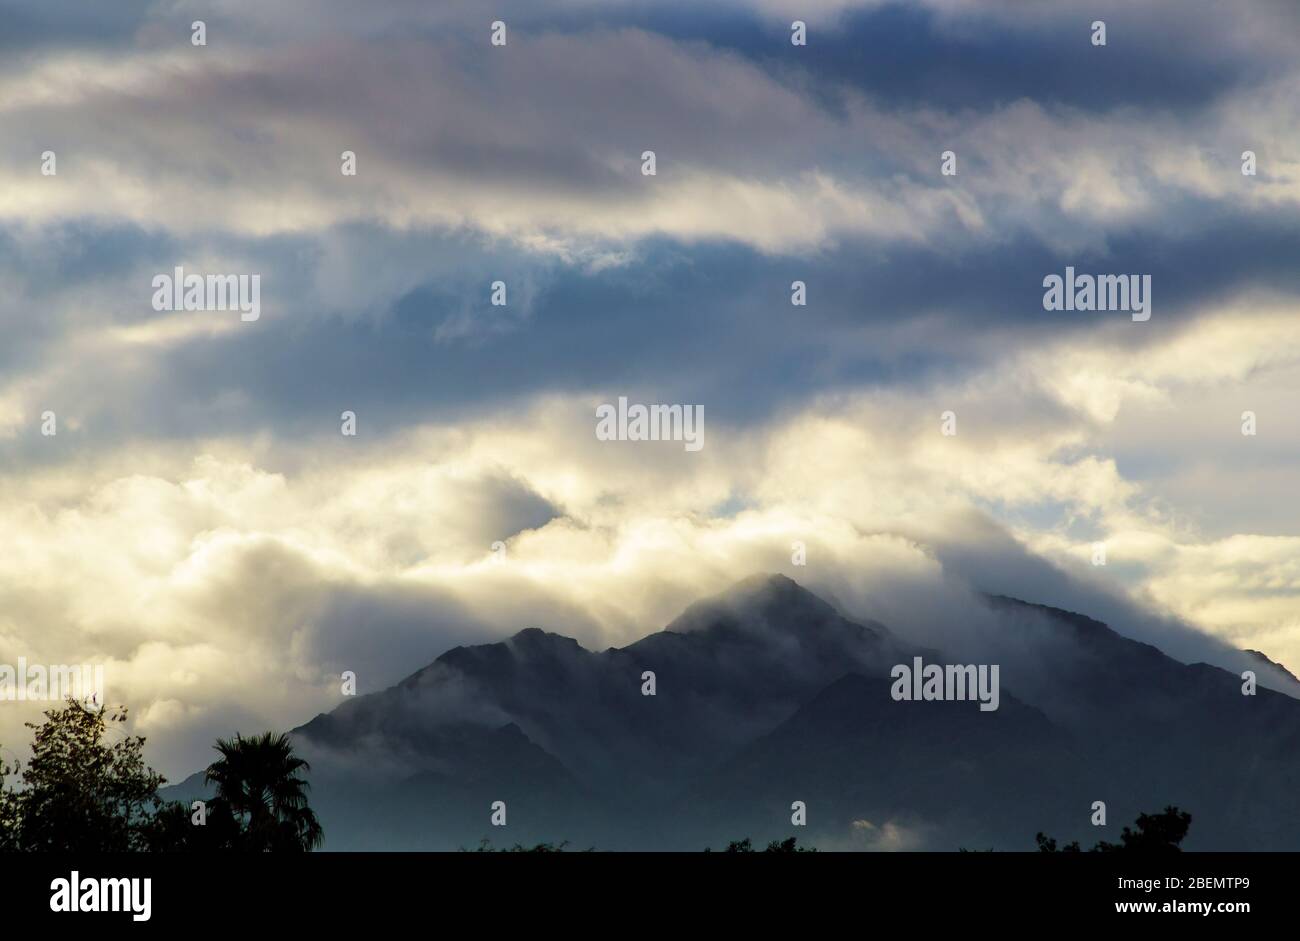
<point>763,598</point>
<point>536,637</point>
<point>1258,655</point>
<point>768,583</point>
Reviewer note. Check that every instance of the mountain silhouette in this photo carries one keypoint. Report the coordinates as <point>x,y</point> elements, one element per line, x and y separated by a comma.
<point>766,695</point>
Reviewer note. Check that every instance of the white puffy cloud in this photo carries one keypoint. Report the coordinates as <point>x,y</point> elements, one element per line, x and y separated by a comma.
<point>237,585</point>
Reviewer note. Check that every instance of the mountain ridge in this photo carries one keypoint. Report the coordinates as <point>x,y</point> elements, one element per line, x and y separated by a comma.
<point>744,715</point>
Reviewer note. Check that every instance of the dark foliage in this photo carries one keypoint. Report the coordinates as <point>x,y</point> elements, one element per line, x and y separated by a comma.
<point>1154,833</point>
<point>81,794</point>
<point>788,845</point>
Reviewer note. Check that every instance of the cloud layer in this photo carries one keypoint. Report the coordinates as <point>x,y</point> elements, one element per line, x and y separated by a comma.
<point>199,524</point>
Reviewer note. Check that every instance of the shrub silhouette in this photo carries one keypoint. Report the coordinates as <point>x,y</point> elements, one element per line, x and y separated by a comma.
<point>485,846</point>
<point>788,845</point>
<point>172,829</point>
<point>1154,833</point>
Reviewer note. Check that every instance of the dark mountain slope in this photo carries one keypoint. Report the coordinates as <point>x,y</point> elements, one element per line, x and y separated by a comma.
<point>767,695</point>
<point>726,670</point>
<point>938,774</point>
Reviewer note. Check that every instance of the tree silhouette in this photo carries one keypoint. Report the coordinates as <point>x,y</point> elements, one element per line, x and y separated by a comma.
<point>1155,833</point>
<point>258,780</point>
<point>80,794</point>
<point>10,811</point>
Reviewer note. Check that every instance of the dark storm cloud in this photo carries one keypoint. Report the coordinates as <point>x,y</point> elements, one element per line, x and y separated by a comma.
<point>656,326</point>
<point>1167,56</point>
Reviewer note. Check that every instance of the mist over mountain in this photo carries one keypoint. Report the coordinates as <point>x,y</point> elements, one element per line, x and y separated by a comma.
<point>766,695</point>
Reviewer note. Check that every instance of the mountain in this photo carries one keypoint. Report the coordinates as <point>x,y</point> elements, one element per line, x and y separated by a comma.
<point>766,695</point>
<point>915,770</point>
<point>1274,664</point>
<point>1159,731</point>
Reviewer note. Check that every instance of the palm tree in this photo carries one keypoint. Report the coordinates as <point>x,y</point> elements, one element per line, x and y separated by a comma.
<point>258,780</point>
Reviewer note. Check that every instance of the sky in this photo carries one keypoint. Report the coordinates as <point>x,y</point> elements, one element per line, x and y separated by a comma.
<point>200,525</point>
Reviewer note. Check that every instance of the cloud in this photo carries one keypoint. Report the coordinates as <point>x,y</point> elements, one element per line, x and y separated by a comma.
<point>242,583</point>
<point>888,837</point>
<point>540,143</point>
<point>199,525</point>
